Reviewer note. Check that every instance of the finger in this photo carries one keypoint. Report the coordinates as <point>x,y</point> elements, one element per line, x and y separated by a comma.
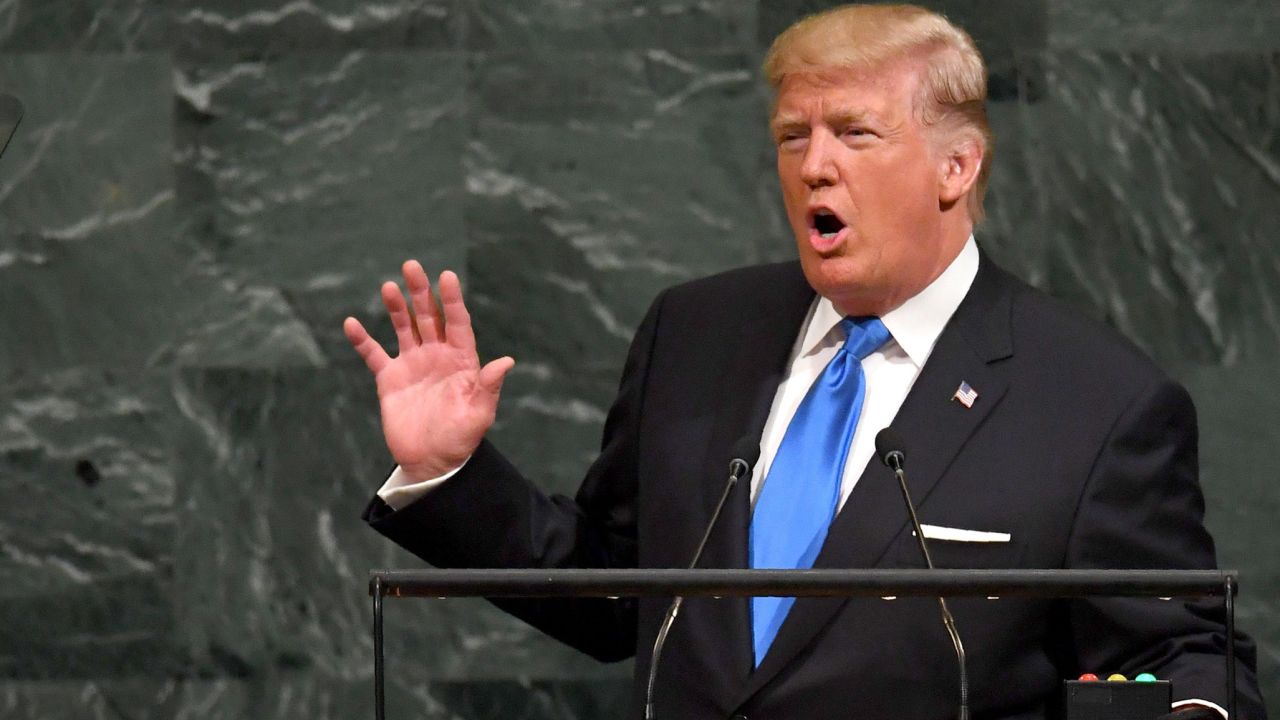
<point>493,373</point>
<point>429,324</point>
<point>413,328</point>
<point>399,311</point>
<point>457,321</point>
<point>374,356</point>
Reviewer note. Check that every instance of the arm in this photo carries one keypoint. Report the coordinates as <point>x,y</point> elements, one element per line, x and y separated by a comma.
<point>490,515</point>
<point>1142,508</point>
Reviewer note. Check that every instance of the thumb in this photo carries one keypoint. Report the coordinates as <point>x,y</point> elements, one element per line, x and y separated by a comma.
<point>493,373</point>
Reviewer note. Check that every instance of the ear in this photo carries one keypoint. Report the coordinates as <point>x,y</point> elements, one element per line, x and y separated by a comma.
<point>958,168</point>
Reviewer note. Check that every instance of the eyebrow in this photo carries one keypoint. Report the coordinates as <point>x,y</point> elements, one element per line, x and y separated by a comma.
<point>836,118</point>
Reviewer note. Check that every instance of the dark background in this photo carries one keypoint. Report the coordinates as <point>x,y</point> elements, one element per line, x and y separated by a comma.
<point>203,189</point>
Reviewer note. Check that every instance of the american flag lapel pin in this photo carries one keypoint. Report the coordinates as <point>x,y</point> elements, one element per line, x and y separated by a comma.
<point>965,394</point>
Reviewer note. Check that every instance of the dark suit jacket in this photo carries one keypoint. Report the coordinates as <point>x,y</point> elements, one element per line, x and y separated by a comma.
<point>1077,446</point>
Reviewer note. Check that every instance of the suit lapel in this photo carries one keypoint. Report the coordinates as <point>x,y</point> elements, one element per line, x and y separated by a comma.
<point>759,356</point>
<point>934,428</point>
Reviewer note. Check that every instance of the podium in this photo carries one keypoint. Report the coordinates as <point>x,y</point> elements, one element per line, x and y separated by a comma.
<point>1042,584</point>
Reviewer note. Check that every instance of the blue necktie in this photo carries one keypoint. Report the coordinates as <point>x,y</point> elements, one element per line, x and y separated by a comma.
<point>798,499</point>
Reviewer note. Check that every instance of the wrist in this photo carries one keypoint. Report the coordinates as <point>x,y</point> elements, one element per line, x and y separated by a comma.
<point>427,472</point>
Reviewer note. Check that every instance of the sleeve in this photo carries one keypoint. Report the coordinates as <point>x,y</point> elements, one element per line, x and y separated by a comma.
<point>400,490</point>
<point>489,515</point>
<point>1142,507</point>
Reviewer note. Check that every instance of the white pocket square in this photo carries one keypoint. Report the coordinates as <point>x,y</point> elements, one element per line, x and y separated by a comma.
<point>938,532</point>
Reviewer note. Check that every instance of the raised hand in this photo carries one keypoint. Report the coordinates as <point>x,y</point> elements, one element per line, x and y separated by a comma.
<point>437,401</point>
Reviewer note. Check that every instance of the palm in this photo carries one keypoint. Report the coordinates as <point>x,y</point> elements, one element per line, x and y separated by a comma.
<point>432,405</point>
<point>437,401</point>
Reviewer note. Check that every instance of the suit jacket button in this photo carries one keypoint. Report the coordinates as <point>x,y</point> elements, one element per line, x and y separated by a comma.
<point>739,716</point>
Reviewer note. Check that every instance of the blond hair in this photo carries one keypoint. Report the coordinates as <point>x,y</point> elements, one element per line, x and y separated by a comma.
<point>954,91</point>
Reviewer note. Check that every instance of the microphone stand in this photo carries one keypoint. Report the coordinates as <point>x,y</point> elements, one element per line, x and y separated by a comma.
<point>737,468</point>
<point>894,460</point>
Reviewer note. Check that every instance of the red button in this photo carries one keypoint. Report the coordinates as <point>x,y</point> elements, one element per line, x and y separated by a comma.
<point>1088,677</point>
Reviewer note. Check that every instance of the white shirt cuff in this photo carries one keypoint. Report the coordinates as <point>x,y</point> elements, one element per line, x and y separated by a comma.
<point>1193,701</point>
<point>400,490</point>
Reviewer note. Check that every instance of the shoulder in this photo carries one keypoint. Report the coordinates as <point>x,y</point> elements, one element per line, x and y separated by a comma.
<point>1056,337</point>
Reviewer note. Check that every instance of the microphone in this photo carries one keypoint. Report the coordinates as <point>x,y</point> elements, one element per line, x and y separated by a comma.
<point>10,116</point>
<point>745,453</point>
<point>889,448</point>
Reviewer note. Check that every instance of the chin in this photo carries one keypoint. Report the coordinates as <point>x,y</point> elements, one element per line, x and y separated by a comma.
<point>833,272</point>
<point>848,284</point>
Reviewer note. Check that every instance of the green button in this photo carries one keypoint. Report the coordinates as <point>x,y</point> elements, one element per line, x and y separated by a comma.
<point>1145,677</point>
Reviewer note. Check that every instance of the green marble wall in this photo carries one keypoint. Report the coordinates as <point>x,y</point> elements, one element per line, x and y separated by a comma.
<point>202,189</point>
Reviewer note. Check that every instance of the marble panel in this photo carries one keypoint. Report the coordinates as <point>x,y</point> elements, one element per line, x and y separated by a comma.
<point>1193,27</point>
<point>89,259</point>
<point>258,29</point>
<point>594,181</point>
<point>112,114</point>
<point>188,545</point>
<point>1013,231</point>
<point>556,700</point>
<point>100,699</point>
<point>86,532</point>
<point>272,556</point>
<point>688,25</point>
<point>1236,407</point>
<point>270,697</point>
<point>1158,176</point>
<point>84,25</point>
<point>316,175</point>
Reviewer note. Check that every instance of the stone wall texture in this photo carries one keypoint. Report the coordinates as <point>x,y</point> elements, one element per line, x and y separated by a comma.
<point>202,189</point>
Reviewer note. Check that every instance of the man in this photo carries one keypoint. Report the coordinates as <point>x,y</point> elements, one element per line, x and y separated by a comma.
<point>1046,436</point>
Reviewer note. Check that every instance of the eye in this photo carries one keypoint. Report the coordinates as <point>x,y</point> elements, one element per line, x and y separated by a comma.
<point>791,140</point>
<point>856,131</point>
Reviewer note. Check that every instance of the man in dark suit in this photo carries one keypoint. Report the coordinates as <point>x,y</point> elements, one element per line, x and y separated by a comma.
<point>1037,438</point>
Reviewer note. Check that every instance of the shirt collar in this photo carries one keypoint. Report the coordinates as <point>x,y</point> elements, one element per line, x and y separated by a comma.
<point>916,323</point>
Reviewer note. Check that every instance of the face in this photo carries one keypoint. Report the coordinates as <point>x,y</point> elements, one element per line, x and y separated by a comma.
<point>861,183</point>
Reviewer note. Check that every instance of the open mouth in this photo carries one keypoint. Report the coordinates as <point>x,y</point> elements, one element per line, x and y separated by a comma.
<point>827,224</point>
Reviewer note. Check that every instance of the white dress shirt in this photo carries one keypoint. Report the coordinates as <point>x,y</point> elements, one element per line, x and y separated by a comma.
<point>890,371</point>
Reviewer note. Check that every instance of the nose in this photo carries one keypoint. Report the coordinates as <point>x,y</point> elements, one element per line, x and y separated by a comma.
<point>818,168</point>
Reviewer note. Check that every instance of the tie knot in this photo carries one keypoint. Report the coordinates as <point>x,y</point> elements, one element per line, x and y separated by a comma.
<point>863,335</point>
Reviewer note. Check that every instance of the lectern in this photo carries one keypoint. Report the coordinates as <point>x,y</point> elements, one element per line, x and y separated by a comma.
<point>801,583</point>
